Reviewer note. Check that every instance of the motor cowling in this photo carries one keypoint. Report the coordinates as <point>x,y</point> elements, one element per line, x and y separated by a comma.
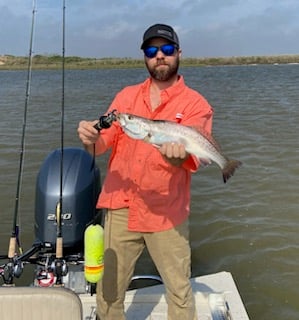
<point>80,188</point>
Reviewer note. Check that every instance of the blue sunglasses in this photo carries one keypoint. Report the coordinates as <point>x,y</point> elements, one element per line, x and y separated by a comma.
<point>167,49</point>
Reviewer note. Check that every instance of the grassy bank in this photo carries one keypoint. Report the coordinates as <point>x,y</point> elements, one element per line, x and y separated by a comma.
<point>9,62</point>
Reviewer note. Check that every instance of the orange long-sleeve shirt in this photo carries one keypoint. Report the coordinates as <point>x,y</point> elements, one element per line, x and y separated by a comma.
<point>156,193</point>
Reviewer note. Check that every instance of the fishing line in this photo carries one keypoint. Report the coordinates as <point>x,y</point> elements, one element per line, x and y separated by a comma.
<point>15,228</point>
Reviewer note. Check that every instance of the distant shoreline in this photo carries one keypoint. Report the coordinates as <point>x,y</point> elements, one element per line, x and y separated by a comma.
<point>9,62</point>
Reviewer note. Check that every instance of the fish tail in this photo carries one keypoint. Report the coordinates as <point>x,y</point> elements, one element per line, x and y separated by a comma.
<point>230,168</point>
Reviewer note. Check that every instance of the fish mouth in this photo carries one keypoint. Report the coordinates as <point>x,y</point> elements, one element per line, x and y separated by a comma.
<point>121,119</point>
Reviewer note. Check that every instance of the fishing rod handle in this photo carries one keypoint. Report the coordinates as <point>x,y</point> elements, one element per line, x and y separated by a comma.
<point>12,247</point>
<point>59,247</point>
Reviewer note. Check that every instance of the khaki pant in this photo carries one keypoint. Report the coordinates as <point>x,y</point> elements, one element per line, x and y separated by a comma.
<point>170,251</point>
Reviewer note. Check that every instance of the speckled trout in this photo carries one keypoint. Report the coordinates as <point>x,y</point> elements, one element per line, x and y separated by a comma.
<point>158,132</point>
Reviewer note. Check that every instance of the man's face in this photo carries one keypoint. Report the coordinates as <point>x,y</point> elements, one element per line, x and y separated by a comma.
<point>162,67</point>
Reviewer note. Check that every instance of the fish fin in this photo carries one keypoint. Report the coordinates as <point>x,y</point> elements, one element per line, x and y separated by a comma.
<point>148,137</point>
<point>230,168</point>
<point>205,162</point>
<point>156,146</point>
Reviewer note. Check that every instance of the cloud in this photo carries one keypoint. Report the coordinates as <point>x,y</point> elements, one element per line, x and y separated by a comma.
<point>256,29</point>
<point>114,28</point>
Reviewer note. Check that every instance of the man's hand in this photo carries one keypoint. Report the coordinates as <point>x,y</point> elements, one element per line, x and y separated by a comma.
<point>88,134</point>
<point>174,153</point>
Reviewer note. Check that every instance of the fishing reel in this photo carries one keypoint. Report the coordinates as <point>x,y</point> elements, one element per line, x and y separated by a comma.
<point>50,271</point>
<point>59,268</point>
<point>13,269</point>
<point>105,122</point>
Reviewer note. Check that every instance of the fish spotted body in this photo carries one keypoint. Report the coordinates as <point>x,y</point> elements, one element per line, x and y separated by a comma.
<point>158,132</point>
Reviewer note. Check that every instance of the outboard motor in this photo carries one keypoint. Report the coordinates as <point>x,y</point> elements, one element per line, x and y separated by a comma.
<point>80,189</point>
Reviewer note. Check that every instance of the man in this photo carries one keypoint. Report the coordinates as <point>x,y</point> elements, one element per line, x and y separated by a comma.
<point>147,189</point>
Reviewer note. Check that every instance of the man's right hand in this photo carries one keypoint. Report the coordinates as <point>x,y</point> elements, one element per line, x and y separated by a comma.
<point>88,134</point>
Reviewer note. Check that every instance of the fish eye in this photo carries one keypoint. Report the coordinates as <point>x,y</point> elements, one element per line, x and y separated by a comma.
<point>130,117</point>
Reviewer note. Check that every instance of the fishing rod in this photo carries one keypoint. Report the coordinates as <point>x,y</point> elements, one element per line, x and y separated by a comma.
<point>60,267</point>
<point>14,266</point>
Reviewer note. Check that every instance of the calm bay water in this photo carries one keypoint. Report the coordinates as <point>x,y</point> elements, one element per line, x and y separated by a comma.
<point>248,226</point>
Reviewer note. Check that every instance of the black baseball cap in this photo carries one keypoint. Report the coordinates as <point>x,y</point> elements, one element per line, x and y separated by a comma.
<point>160,31</point>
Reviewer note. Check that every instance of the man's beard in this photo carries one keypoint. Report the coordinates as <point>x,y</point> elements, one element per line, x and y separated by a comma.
<point>164,74</point>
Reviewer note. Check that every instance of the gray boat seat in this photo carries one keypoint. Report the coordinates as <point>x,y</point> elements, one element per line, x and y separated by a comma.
<point>34,303</point>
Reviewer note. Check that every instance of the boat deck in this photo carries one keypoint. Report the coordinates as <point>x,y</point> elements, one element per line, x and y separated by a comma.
<point>216,295</point>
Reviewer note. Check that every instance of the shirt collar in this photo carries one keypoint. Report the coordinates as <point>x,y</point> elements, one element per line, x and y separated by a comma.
<point>170,92</point>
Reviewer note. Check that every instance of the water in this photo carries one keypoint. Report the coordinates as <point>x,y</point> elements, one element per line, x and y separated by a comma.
<point>248,226</point>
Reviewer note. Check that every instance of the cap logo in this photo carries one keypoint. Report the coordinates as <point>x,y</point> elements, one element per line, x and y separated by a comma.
<point>167,33</point>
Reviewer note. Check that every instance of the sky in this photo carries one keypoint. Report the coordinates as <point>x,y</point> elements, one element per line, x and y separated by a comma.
<point>114,28</point>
